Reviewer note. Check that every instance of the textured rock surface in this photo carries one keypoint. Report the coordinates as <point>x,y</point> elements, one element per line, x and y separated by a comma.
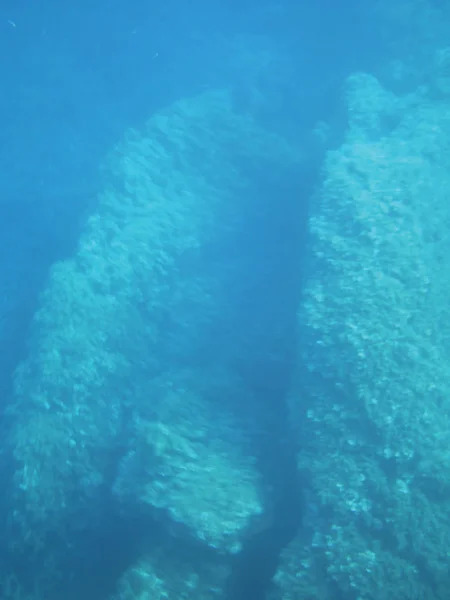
<point>371,401</point>
<point>190,458</point>
<point>118,409</point>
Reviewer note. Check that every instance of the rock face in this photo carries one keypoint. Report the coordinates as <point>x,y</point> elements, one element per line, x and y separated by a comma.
<point>127,406</point>
<point>370,404</point>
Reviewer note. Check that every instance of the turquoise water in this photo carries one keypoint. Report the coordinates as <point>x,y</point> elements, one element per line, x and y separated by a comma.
<point>223,319</point>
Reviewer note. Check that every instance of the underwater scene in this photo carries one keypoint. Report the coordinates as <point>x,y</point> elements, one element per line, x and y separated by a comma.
<point>225,300</point>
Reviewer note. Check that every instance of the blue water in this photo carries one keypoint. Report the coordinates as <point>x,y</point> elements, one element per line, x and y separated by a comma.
<point>161,168</point>
<point>75,77</point>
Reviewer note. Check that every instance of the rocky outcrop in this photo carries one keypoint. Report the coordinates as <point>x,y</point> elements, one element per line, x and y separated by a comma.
<point>127,404</point>
<point>370,403</point>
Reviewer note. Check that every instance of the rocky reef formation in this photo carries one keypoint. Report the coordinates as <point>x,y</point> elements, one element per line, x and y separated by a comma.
<point>127,408</point>
<point>370,401</point>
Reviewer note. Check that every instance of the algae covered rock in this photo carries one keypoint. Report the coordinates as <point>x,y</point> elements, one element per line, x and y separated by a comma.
<point>190,459</point>
<point>370,404</point>
<point>120,404</point>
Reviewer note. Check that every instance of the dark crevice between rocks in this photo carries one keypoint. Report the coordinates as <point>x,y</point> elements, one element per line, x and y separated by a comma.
<point>270,379</point>
<point>255,566</point>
